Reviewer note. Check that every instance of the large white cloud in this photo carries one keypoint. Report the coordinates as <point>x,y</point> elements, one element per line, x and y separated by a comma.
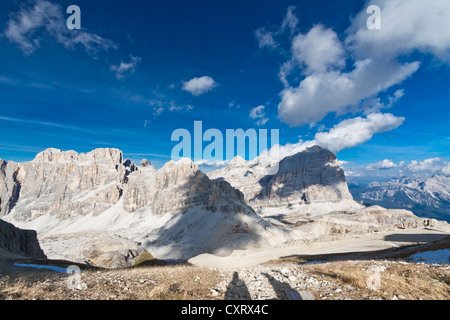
<point>352,132</point>
<point>322,93</point>
<point>406,26</point>
<point>346,134</point>
<point>198,86</point>
<point>328,86</point>
<point>24,25</point>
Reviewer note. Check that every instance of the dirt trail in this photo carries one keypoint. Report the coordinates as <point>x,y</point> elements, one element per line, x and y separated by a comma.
<point>364,243</point>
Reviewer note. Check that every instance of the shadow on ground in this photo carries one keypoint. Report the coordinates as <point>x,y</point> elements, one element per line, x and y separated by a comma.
<point>441,241</point>
<point>415,238</point>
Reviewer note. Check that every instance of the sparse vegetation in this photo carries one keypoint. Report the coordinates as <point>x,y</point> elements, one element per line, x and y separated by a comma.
<point>146,259</point>
<point>333,280</point>
<point>398,280</point>
<point>148,283</point>
<point>340,276</point>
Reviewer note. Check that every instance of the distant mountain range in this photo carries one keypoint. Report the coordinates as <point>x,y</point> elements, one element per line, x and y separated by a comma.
<point>427,197</point>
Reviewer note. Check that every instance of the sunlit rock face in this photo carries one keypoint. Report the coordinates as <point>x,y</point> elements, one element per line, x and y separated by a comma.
<point>308,177</point>
<point>96,207</point>
<point>64,183</point>
<point>176,210</point>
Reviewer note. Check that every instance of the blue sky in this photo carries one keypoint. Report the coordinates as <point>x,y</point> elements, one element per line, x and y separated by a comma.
<point>312,69</point>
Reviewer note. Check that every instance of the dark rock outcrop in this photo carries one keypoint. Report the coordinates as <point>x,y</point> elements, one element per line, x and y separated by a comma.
<point>18,241</point>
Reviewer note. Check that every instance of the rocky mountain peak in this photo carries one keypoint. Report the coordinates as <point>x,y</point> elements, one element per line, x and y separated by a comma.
<point>101,155</point>
<point>310,176</point>
<point>64,183</point>
<point>145,163</point>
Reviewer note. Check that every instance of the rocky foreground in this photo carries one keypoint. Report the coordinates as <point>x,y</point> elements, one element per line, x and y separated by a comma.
<point>380,275</point>
<point>327,281</point>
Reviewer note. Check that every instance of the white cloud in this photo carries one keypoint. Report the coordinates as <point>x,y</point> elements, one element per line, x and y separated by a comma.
<point>327,86</point>
<point>376,105</point>
<point>259,114</point>
<point>318,50</point>
<point>174,107</point>
<point>355,131</point>
<point>156,102</point>
<point>279,152</point>
<point>388,169</point>
<point>160,106</point>
<point>126,67</point>
<point>198,86</point>
<point>322,93</point>
<point>352,172</point>
<point>158,111</point>
<point>210,163</point>
<point>344,163</point>
<point>424,26</point>
<point>432,165</point>
<point>24,26</point>
<point>7,80</point>
<point>346,134</point>
<point>382,165</point>
<point>233,104</point>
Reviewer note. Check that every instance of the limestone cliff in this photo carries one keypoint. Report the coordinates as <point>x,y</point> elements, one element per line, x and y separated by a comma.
<point>309,177</point>
<point>18,241</point>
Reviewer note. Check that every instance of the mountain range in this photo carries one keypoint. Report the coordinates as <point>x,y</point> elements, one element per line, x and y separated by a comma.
<point>102,209</point>
<point>427,197</point>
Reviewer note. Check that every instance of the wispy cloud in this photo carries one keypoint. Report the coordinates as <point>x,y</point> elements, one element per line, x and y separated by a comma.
<point>355,131</point>
<point>161,106</point>
<point>21,148</point>
<point>388,168</point>
<point>290,20</point>
<point>175,107</point>
<point>47,124</point>
<point>266,36</point>
<point>8,81</point>
<point>265,39</point>
<point>259,114</point>
<point>234,105</point>
<point>157,111</point>
<point>25,25</point>
<point>125,68</point>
